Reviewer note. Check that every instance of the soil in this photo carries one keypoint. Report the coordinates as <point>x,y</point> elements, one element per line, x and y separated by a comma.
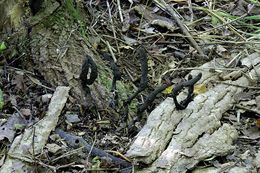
<point>47,50</point>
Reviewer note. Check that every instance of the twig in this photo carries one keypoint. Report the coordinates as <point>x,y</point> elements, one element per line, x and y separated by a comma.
<point>26,158</point>
<point>33,146</point>
<point>24,71</point>
<point>16,59</point>
<point>75,151</point>
<point>162,3</point>
<point>233,29</point>
<point>233,59</point>
<point>197,68</point>
<point>62,53</point>
<point>92,146</point>
<point>247,109</point>
<point>234,42</point>
<point>75,141</point>
<point>65,166</point>
<point>109,36</point>
<point>141,20</point>
<point>37,82</point>
<point>231,84</point>
<point>19,112</point>
<point>191,11</point>
<point>112,25</point>
<point>212,42</point>
<point>120,10</point>
<point>111,51</point>
<point>103,169</point>
<point>118,153</point>
<point>224,24</point>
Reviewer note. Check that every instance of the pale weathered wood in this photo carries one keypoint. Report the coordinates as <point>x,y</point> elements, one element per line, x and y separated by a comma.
<point>168,133</point>
<point>30,143</point>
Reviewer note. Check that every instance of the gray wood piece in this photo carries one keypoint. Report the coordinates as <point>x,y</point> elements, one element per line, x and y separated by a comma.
<point>168,132</point>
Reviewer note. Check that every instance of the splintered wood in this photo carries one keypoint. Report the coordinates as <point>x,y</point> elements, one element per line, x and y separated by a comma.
<point>175,141</point>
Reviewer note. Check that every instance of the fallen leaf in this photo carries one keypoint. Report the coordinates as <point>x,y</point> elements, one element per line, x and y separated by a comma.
<point>19,82</point>
<point>72,118</point>
<point>53,148</point>
<point>9,128</point>
<point>200,88</point>
<point>168,90</point>
<point>244,96</point>
<point>2,46</point>
<point>96,162</point>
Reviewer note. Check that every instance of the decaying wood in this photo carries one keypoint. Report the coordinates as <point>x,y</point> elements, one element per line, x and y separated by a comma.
<point>58,50</point>
<point>168,133</point>
<point>217,144</point>
<point>28,145</point>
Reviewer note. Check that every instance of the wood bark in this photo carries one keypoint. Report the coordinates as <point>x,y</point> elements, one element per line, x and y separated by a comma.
<point>175,141</point>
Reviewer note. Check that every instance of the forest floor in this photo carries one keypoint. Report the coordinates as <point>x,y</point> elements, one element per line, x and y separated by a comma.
<point>174,42</point>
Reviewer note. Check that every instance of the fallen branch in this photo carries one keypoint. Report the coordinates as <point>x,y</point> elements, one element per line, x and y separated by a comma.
<point>76,142</point>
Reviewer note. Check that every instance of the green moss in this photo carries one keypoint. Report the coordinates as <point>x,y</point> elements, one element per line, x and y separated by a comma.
<point>67,16</point>
<point>75,11</point>
<point>124,90</point>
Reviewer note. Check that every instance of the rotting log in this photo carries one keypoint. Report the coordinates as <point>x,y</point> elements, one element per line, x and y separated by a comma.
<point>170,136</point>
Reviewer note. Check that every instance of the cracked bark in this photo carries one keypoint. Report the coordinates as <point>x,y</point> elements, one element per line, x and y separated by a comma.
<point>168,134</point>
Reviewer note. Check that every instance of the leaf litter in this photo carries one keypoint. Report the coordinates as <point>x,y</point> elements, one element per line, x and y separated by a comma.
<point>224,29</point>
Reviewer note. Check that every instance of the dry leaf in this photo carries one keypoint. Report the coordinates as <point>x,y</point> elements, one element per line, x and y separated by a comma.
<point>19,82</point>
<point>200,88</point>
<point>53,148</point>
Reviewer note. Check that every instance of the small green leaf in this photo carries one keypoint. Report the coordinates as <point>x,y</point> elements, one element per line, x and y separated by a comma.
<point>96,162</point>
<point>2,46</point>
<point>168,90</point>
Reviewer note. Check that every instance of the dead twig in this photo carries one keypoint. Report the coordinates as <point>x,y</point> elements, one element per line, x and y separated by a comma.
<point>247,109</point>
<point>69,153</point>
<point>92,146</point>
<point>112,25</point>
<point>119,10</point>
<point>232,28</point>
<point>231,84</point>
<point>164,6</point>
<point>111,51</point>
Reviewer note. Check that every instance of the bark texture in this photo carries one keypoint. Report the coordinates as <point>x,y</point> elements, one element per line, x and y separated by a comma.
<point>175,141</point>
